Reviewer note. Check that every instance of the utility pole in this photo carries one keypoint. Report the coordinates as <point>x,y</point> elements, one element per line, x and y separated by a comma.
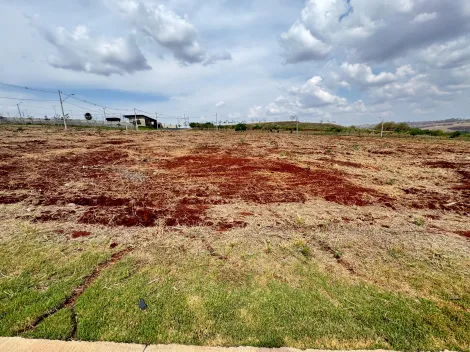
<point>63,113</point>
<point>382,130</point>
<point>135,120</point>
<point>296,118</point>
<point>19,111</point>
<point>216,124</point>
<point>104,110</point>
<point>55,112</point>
<point>156,118</point>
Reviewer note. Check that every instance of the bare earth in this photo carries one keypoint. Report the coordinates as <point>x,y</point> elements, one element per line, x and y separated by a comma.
<point>393,213</point>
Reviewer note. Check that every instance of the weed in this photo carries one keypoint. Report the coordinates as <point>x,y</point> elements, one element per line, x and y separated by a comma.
<point>268,248</point>
<point>337,253</point>
<point>300,221</point>
<point>303,249</point>
<point>242,141</point>
<point>356,147</point>
<point>391,181</point>
<point>395,252</point>
<point>418,221</point>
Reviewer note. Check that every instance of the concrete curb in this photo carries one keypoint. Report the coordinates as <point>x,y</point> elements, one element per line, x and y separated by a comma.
<point>19,344</point>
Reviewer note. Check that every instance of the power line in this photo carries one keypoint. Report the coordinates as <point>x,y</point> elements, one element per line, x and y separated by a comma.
<point>81,107</point>
<point>38,107</point>
<point>27,88</point>
<point>26,99</point>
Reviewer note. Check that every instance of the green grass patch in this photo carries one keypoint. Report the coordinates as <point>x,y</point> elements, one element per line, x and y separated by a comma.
<point>37,278</point>
<point>201,300</point>
<point>202,307</point>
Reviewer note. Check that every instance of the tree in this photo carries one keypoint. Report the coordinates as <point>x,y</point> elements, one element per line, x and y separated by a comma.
<point>240,127</point>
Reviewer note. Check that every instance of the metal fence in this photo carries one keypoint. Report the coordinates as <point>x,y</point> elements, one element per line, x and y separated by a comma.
<point>59,122</point>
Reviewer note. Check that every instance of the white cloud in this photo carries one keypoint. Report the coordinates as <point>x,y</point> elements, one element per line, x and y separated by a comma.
<point>169,30</point>
<point>312,94</point>
<point>451,54</point>
<point>77,51</point>
<point>220,104</point>
<point>416,89</point>
<point>362,74</point>
<point>300,45</point>
<point>424,17</point>
<point>371,30</point>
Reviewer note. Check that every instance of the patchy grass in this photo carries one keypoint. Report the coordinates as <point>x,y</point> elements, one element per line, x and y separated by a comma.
<point>270,240</point>
<point>37,277</point>
<point>200,300</point>
<point>202,307</point>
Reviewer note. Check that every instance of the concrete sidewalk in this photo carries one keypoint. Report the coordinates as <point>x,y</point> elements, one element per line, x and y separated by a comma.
<point>18,344</point>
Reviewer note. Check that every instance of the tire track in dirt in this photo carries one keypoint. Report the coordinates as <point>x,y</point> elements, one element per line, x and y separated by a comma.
<point>69,302</point>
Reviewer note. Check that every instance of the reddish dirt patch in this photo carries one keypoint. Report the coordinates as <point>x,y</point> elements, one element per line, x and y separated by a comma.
<point>382,152</point>
<point>113,245</point>
<point>225,226</point>
<point>102,201</point>
<point>57,215</point>
<point>117,142</point>
<point>78,234</point>
<point>182,215</point>
<point>11,199</point>
<point>426,199</point>
<point>245,213</point>
<point>441,164</point>
<point>463,233</point>
<point>267,181</point>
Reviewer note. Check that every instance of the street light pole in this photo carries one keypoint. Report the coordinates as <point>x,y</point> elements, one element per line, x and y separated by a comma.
<point>63,113</point>
<point>19,111</point>
<point>62,106</point>
<point>135,120</point>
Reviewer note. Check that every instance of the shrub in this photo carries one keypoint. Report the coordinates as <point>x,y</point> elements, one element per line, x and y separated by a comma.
<point>257,127</point>
<point>240,127</point>
<point>455,134</point>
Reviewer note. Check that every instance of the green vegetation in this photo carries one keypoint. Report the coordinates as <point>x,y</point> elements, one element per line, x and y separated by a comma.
<point>419,222</point>
<point>240,127</point>
<point>404,128</point>
<point>204,301</point>
<point>36,278</point>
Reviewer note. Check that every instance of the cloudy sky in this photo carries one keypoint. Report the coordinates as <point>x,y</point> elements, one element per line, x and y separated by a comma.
<point>348,61</point>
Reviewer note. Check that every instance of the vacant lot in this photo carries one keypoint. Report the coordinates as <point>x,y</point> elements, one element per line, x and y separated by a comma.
<point>235,239</point>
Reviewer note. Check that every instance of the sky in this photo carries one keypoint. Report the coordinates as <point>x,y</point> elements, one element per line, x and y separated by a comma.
<point>352,62</point>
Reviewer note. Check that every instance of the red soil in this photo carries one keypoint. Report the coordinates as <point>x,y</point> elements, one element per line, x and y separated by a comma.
<point>225,226</point>
<point>78,234</point>
<point>463,233</point>
<point>442,164</point>
<point>11,199</point>
<point>57,215</point>
<point>265,181</point>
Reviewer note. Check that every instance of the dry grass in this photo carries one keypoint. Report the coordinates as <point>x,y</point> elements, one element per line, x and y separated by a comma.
<point>395,240</point>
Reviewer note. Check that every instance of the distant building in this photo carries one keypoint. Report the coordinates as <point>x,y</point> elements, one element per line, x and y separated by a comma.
<point>113,119</point>
<point>143,120</point>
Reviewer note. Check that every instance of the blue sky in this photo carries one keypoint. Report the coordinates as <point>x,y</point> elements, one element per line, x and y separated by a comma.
<point>352,62</point>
